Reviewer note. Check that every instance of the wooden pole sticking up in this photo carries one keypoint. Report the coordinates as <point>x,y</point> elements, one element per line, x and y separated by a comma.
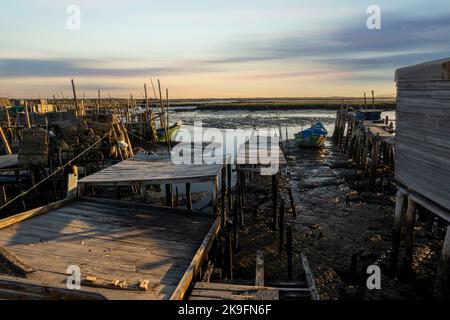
<point>27,116</point>
<point>98,104</point>
<point>167,119</point>
<point>75,98</point>
<point>289,251</point>
<point>5,142</point>
<point>373,99</point>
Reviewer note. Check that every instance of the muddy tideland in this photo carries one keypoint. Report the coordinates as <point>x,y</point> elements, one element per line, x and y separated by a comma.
<point>341,230</point>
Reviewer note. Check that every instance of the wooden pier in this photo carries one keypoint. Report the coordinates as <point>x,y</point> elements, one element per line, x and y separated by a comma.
<point>144,173</point>
<point>422,162</point>
<point>369,144</point>
<point>124,250</point>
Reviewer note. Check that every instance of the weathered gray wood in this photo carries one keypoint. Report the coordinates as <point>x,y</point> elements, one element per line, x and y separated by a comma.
<point>259,281</point>
<point>309,277</point>
<point>398,214</point>
<point>410,219</point>
<point>442,287</point>
<point>112,239</point>
<point>422,147</point>
<point>18,288</point>
<point>152,172</point>
<point>14,263</point>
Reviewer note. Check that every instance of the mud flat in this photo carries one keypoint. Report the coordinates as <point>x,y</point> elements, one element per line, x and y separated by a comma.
<point>341,230</point>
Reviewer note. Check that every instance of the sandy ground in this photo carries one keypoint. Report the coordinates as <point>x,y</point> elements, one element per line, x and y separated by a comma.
<point>333,233</point>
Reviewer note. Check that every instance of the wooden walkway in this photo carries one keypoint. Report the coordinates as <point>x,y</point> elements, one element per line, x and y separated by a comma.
<point>146,172</point>
<point>121,249</point>
<point>260,152</point>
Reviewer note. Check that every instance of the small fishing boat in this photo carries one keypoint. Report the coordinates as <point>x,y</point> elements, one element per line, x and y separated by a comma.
<point>173,129</point>
<point>312,137</point>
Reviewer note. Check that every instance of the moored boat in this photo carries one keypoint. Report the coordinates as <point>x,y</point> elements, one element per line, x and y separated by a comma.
<point>312,137</point>
<point>172,130</point>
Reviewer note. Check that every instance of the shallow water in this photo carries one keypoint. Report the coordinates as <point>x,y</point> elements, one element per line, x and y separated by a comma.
<point>224,121</point>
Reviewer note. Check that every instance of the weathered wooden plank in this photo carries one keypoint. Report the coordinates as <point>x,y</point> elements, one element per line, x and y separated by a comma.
<point>195,265</point>
<point>33,212</point>
<point>28,289</point>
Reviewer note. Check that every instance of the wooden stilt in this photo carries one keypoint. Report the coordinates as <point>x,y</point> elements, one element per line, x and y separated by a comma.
<point>169,196</point>
<point>229,257</point>
<point>259,278</point>
<point>399,201</point>
<point>442,286</point>
<point>236,224</point>
<point>280,248</point>
<point>289,251</point>
<point>291,198</point>
<point>188,196</point>
<point>230,205</point>
<point>215,195</point>
<point>409,238</point>
<point>274,201</point>
<point>143,193</point>
<point>223,189</point>
<point>177,199</point>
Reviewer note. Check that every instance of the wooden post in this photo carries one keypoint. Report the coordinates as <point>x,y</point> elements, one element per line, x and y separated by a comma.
<point>177,199</point>
<point>4,195</point>
<point>291,198</point>
<point>5,141</point>
<point>442,286</point>
<point>167,120</point>
<point>75,98</point>
<point>274,201</point>
<point>230,205</point>
<point>215,195</point>
<point>259,278</point>
<point>72,183</point>
<point>289,251</point>
<point>399,201</point>
<point>143,190</point>
<point>236,224</point>
<point>169,196</point>
<point>27,116</point>
<point>98,104</point>
<point>409,237</point>
<point>229,257</point>
<point>188,196</point>
<point>280,249</point>
<point>223,191</point>
<point>373,99</point>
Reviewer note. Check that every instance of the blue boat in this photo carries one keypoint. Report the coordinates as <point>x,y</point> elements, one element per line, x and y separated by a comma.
<point>313,137</point>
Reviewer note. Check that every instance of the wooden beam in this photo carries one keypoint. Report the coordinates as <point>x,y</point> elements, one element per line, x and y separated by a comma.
<point>442,286</point>
<point>5,142</point>
<point>14,263</point>
<point>309,278</point>
<point>194,267</point>
<point>259,281</point>
<point>19,288</point>
<point>399,201</point>
<point>33,212</point>
<point>409,237</point>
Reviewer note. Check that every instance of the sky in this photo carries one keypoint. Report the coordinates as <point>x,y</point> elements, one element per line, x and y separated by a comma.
<point>211,48</point>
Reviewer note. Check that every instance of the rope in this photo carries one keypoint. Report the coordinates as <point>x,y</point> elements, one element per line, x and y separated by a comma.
<point>23,193</point>
<point>139,137</point>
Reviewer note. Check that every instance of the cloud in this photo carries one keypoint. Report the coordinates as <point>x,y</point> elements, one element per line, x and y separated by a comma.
<point>401,41</point>
<point>81,67</point>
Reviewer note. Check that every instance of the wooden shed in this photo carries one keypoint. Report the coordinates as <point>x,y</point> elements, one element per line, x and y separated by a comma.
<point>422,148</point>
<point>422,153</point>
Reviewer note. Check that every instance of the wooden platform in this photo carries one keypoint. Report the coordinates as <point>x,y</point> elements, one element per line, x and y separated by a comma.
<point>146,172</point>
<point>225,291</point>
<point>9,161</point>
<point>109,240</point>
<point>259,153</point>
